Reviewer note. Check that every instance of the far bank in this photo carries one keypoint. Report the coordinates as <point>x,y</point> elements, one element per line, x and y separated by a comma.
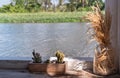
<point>43,17</point>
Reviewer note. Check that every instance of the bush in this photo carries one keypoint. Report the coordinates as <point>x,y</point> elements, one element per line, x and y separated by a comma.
<point>42,17</point>
<point>84,9</point>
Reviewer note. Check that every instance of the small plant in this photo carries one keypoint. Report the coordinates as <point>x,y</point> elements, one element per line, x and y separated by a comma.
<point>60,56</point>
<point>36,57</point>
<point>47,61</point>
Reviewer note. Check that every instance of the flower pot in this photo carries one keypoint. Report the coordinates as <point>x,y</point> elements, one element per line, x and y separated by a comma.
<point>50,68</point>
<point>37,67</point>
<point>56,69</point>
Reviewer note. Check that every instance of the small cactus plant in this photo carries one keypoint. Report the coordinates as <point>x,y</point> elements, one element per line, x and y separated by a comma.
<point>36,57</point>
<point>60,56</point>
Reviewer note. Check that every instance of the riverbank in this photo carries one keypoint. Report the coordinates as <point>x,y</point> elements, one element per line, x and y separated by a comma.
<point>42,17</point>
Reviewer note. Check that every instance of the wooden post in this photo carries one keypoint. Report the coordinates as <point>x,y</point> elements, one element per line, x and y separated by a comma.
<point>113,6</point>
<point>119,33</point>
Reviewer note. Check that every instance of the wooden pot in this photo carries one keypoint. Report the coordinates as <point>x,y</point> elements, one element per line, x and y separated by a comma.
<point>37,67</point>
<point>56,69</point>
<point>49,68</point>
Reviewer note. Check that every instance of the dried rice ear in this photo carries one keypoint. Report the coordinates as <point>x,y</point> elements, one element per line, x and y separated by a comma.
<point>104,63</point>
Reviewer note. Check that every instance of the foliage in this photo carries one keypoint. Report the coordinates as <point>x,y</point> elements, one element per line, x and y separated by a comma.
<point>84,9</point>
<point>99,2</point>
<point>60,56</point>
<point>36,57</point>
<point>33,6</point>
<point>23,6</point>
<point>42,17</point>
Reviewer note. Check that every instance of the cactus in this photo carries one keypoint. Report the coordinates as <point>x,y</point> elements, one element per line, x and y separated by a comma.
<point>60,56</point>
<point>36,57</point>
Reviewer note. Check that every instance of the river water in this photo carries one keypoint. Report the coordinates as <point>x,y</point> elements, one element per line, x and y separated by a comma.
<point>18,40</point>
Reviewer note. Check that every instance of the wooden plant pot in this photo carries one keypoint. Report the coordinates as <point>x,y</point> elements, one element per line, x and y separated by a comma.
<point>51,68</point>
<point>37,67</point>
<point>56,69</point>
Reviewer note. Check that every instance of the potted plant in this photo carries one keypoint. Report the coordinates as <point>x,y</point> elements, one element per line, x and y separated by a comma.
<point>36,65</point>
<point>57,67</point>
<point>52,68</point>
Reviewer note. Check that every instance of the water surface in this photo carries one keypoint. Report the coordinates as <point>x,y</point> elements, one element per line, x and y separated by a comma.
<point>18,40</point>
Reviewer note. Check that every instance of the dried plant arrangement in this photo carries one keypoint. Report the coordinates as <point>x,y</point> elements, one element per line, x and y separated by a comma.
<point>104,63</point>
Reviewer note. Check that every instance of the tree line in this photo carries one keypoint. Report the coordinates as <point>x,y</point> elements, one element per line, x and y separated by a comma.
<point>23,6</point>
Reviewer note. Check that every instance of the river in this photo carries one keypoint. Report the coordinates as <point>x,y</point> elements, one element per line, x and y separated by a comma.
<point>19,39</point>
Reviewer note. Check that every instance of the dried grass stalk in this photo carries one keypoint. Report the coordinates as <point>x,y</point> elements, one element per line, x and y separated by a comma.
<point>104,57</point>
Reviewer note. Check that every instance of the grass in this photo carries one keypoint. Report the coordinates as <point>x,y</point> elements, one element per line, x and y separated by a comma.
<point>43,17</point>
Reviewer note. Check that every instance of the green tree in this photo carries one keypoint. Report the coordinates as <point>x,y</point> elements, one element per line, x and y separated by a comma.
<point>47,4</point>
<point>5,8</point>
<point>60,2</point>
<point>71,6</point>
<point>29,5</point>
<point>20,6</point>
<point>19,2</point>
